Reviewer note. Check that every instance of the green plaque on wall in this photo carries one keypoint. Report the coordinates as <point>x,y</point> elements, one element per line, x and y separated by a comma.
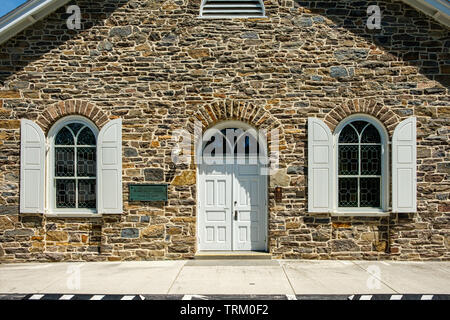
<point>147,192</point>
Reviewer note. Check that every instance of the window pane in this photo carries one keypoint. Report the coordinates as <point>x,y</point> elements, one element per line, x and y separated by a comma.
<point>370,135</point>
<point>64,137</point>
<point>246,144</point>
<point>75,127</point>
<point>348,192</point>
<point>370,160</point>
<point>348,159</point>
<point>65,193</point>
<point>369,192</point>
<point>86,159</point>
<point>348,135</point>
<point>86,193</point>
<point>64,162</point>
<point>86,137</point>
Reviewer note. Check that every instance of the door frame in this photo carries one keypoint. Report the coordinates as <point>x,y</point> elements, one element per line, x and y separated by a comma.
<point>198,145</point>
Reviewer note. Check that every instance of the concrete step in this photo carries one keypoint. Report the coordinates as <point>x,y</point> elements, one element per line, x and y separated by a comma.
<point>230,255</point>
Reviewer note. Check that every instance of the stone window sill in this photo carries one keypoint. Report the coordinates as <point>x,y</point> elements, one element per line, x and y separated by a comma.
<point>73,215</point>
<point>360,213</point>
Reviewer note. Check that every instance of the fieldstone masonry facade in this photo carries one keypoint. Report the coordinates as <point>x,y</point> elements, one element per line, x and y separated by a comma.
<point>159,67</point>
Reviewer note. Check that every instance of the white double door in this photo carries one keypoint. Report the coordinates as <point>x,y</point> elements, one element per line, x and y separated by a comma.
<point>232,207</point>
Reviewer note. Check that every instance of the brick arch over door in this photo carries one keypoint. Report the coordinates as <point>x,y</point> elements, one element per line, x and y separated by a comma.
<point>367,106</point>
<point>212,113</point>
<point>71,107</point>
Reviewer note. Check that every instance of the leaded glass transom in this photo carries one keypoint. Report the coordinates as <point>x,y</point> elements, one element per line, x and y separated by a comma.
<point>75,167</point>
<point>359,165</point>
<point>243,143</point>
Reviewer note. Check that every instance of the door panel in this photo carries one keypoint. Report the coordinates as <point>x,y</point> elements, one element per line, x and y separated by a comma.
<point>249,208</point>
<point>215,208</point>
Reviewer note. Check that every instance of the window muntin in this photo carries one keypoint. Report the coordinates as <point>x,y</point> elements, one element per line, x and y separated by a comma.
<point>75,167</point>
<point>359,166</point>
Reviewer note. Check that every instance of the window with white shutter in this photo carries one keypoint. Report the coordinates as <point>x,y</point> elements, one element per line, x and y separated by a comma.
<point>232,9</point>
<point>348,170</point>
<point>77,172</point>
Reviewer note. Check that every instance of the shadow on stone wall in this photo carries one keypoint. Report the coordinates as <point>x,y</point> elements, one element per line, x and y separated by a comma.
<point>30,45</point>
<point>406,33</point>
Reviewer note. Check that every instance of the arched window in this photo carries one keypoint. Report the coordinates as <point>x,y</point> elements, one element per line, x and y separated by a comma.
<point>232,9</point>
<point>348,171</point>
<point>73,167</point>
<point>361,162</point>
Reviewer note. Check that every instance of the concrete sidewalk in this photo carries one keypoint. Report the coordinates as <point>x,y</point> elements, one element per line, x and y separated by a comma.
<point>287,277</point>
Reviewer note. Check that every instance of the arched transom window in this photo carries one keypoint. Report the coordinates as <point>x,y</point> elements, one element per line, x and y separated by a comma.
<point>232,141</point>
<point>360,163</point>
<point>74,166</point>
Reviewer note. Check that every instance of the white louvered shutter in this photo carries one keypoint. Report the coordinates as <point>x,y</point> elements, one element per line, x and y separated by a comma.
<point>404,178</point>
<point>109,168</point>
<point>32,167</point>
<point>320,166</point>
<point>232,8</point>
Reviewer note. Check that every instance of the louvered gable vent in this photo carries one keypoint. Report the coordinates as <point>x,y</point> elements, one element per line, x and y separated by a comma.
<point>232,8</point>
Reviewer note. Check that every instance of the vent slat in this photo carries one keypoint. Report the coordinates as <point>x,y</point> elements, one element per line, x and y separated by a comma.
<point>230,8</point>
<point>234,1</point>
<point>232,11</point>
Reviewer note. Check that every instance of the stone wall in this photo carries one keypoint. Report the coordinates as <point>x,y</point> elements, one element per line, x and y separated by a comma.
<point>158,67</point>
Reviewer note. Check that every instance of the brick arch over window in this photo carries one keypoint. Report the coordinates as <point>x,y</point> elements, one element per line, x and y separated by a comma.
<point>211,114</point>
<point>71,107</point>
<point>367,106</point>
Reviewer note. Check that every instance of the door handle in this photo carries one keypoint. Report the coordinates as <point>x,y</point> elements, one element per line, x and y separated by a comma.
<point>235,214</point>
